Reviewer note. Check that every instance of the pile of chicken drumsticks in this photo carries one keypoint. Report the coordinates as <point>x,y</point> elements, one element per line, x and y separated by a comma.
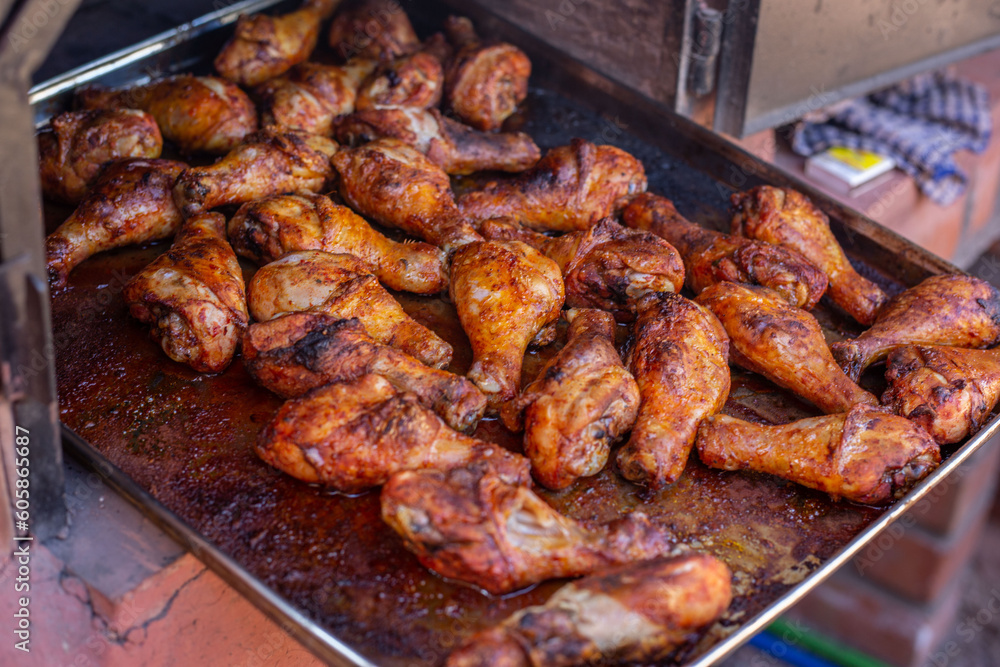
<point>312,154</point>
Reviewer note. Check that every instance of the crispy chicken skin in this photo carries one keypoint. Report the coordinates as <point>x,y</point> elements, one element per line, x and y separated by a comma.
<point>192,296</point>
<point>266,229</point>
<point>783,343</point>
<point>397,186</point>
<point>678,358</point>
<point>131,202</point>
<point>607,266</point>
<point>355,436</point>
<point>484,82</point>
<point>953,310</point>
<point>294,353</point>
<point>266,163</point>
<point>372,29</point>
<point>311,96</point>
<point>471,524</point>
<point>570,188</point>
<point>199,114</point>
<point>582,401</point>
<point>638,612</point>
<point>456,148</point>
<point>865,455</point>
<point>263,47</point>
<point>712,257</point>
<point>950,391</point>
<point>505,293</point>
<point>341,286</point>
<point>74,147</point>
<point>414,81</point>
<point>788,218</point>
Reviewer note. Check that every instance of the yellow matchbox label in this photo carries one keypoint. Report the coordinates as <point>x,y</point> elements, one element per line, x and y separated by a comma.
<point>858,159</point>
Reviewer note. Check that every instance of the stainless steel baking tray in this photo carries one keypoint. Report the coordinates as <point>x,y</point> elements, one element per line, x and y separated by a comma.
<point>179,444</point>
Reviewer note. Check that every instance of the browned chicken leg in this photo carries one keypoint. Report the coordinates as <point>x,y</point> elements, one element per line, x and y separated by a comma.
<point>635,613</point>
<point>413,81</point>
<point>473,525</point>
<point>295,353</point>
<point>678,359</point>
<point>263,47</point>
<point>484,82</point>
<point>131,202</point>
<point>865,455</point>
<point>456,148</point>
<point>372,29</point>
<point>711,257</point>
<point>355,436</point>
<point>192,296</point>
<point>505,292</point>
<point>311,96</point>
<point>266,163</point>
<point>570,188</point>
<point>954,310</point>
<point>582,401</point>
<point>266,229</point>
<point>200,114</point>
<point>787,218</point>
<point>950,391</point>
<point>340,285</point>
<point>397,186</point>
<point>783,343</point>
<point>75,146</point>
<point>607,266</point>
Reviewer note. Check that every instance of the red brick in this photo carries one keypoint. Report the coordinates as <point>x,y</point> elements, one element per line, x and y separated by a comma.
<point>876,622</point>
<point>916,564</point>
<point>951,500</point>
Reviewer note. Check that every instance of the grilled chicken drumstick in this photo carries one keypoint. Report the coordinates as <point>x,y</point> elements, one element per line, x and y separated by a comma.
<point>787,218</point>
<point>570,188</point>
<point>192,296</point>
<point>678,359</point>
<point>266,163</point>
<point>607,266</point>
<point>295,353</point>
<point>200,114</point>
<point>484,82</point>
<point>131,202</point>
<point>783,343</point>
<point>949,391</point>
<point>372,29</point>
<point>954,310</point>
<point>456,148</point>
<point>74,147</point>
<point>263,47</point>
<point>582,401</point>
<point>397,186</point>
<point>712,257</point>
<point>474,525</point>
<point>505,293</point>
<point>354,436</point>
<point>341,286</point>
<point>266,229</point>
<point>311,96</point>
<point>865,455</point>
<point>635,613</point>
<point>413,81</point>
